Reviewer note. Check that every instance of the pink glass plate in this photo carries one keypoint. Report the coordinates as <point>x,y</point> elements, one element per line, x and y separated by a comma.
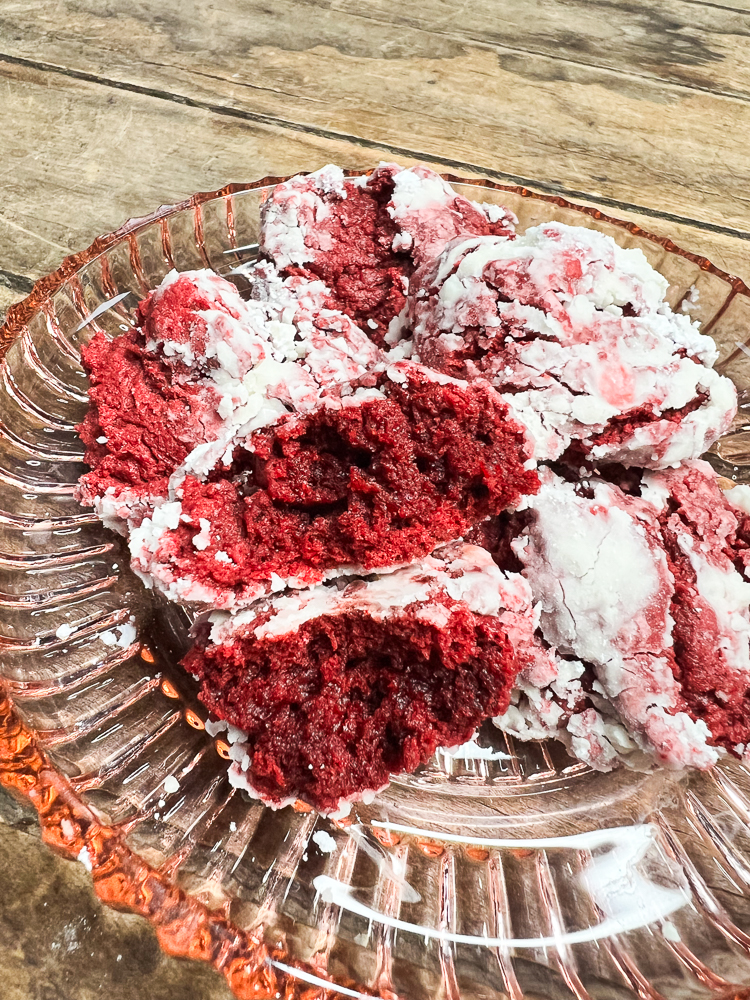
<point>519,873</point>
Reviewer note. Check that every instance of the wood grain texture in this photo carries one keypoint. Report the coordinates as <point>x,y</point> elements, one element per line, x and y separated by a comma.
<point>13,287</point>
<point>611,109</point>
<point>79,159</point>
<point>701,45</point>
<point>58,942</point>
<point>143,152</point>
<point>678,41</point>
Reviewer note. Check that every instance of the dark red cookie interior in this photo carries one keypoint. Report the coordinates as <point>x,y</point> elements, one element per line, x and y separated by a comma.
<point>372,485</point>
<point>361,269</point>
<point>695,658</point>
<point>172,314</point>
<point>698,663</point>
<point>624,426</point>
<point>336,708</point>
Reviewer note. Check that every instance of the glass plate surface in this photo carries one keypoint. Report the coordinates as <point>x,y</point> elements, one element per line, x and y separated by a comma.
<point>519,874</point>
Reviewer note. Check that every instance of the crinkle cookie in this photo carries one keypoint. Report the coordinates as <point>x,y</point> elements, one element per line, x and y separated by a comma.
<point>248,446</point>
<point>575,333</point>
<point>363,236</point>
<point>644,603</point>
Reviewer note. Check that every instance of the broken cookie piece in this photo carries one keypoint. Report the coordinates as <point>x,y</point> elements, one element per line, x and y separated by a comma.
<point>246,446</point>
<point>338,687</point>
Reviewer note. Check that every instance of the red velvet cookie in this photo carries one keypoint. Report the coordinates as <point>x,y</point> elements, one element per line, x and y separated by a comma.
<point>574,331</point>
<point>310,452</point>
<point>645,610</point>
<point>338,687</point>
<point>363,236</point>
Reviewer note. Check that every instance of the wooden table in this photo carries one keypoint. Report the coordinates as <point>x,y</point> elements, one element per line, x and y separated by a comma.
<point>112,107</point>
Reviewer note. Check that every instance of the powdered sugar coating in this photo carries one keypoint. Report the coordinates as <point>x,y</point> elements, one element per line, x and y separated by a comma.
<point>426,209</point>
<point>708,545</point>
<point>202,543</point>
<point>279,353</point>
<point>646,599</point>
<point>247,363</point>
<point>558,706</point>
<point>461,572</point>
<point>739,498</point>
<point>293,212</point>
<point>364,677</point>
<point>575,332</point>
<point>253,380</point>
<point>429,212</point>
<point>574,539</point>
<point>596,562</point>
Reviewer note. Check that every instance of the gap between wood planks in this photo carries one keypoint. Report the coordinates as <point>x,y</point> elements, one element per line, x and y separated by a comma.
<point>718,6</point>
<point>395,150</point>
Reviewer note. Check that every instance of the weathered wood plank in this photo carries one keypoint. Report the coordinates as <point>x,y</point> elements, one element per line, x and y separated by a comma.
<point>618,137</point>
<point>7,298</point>
<point>12,288</point>
<point>702,45</point>
<point>699,45</point>
<point>58,940</point>
<point>81,158</point>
